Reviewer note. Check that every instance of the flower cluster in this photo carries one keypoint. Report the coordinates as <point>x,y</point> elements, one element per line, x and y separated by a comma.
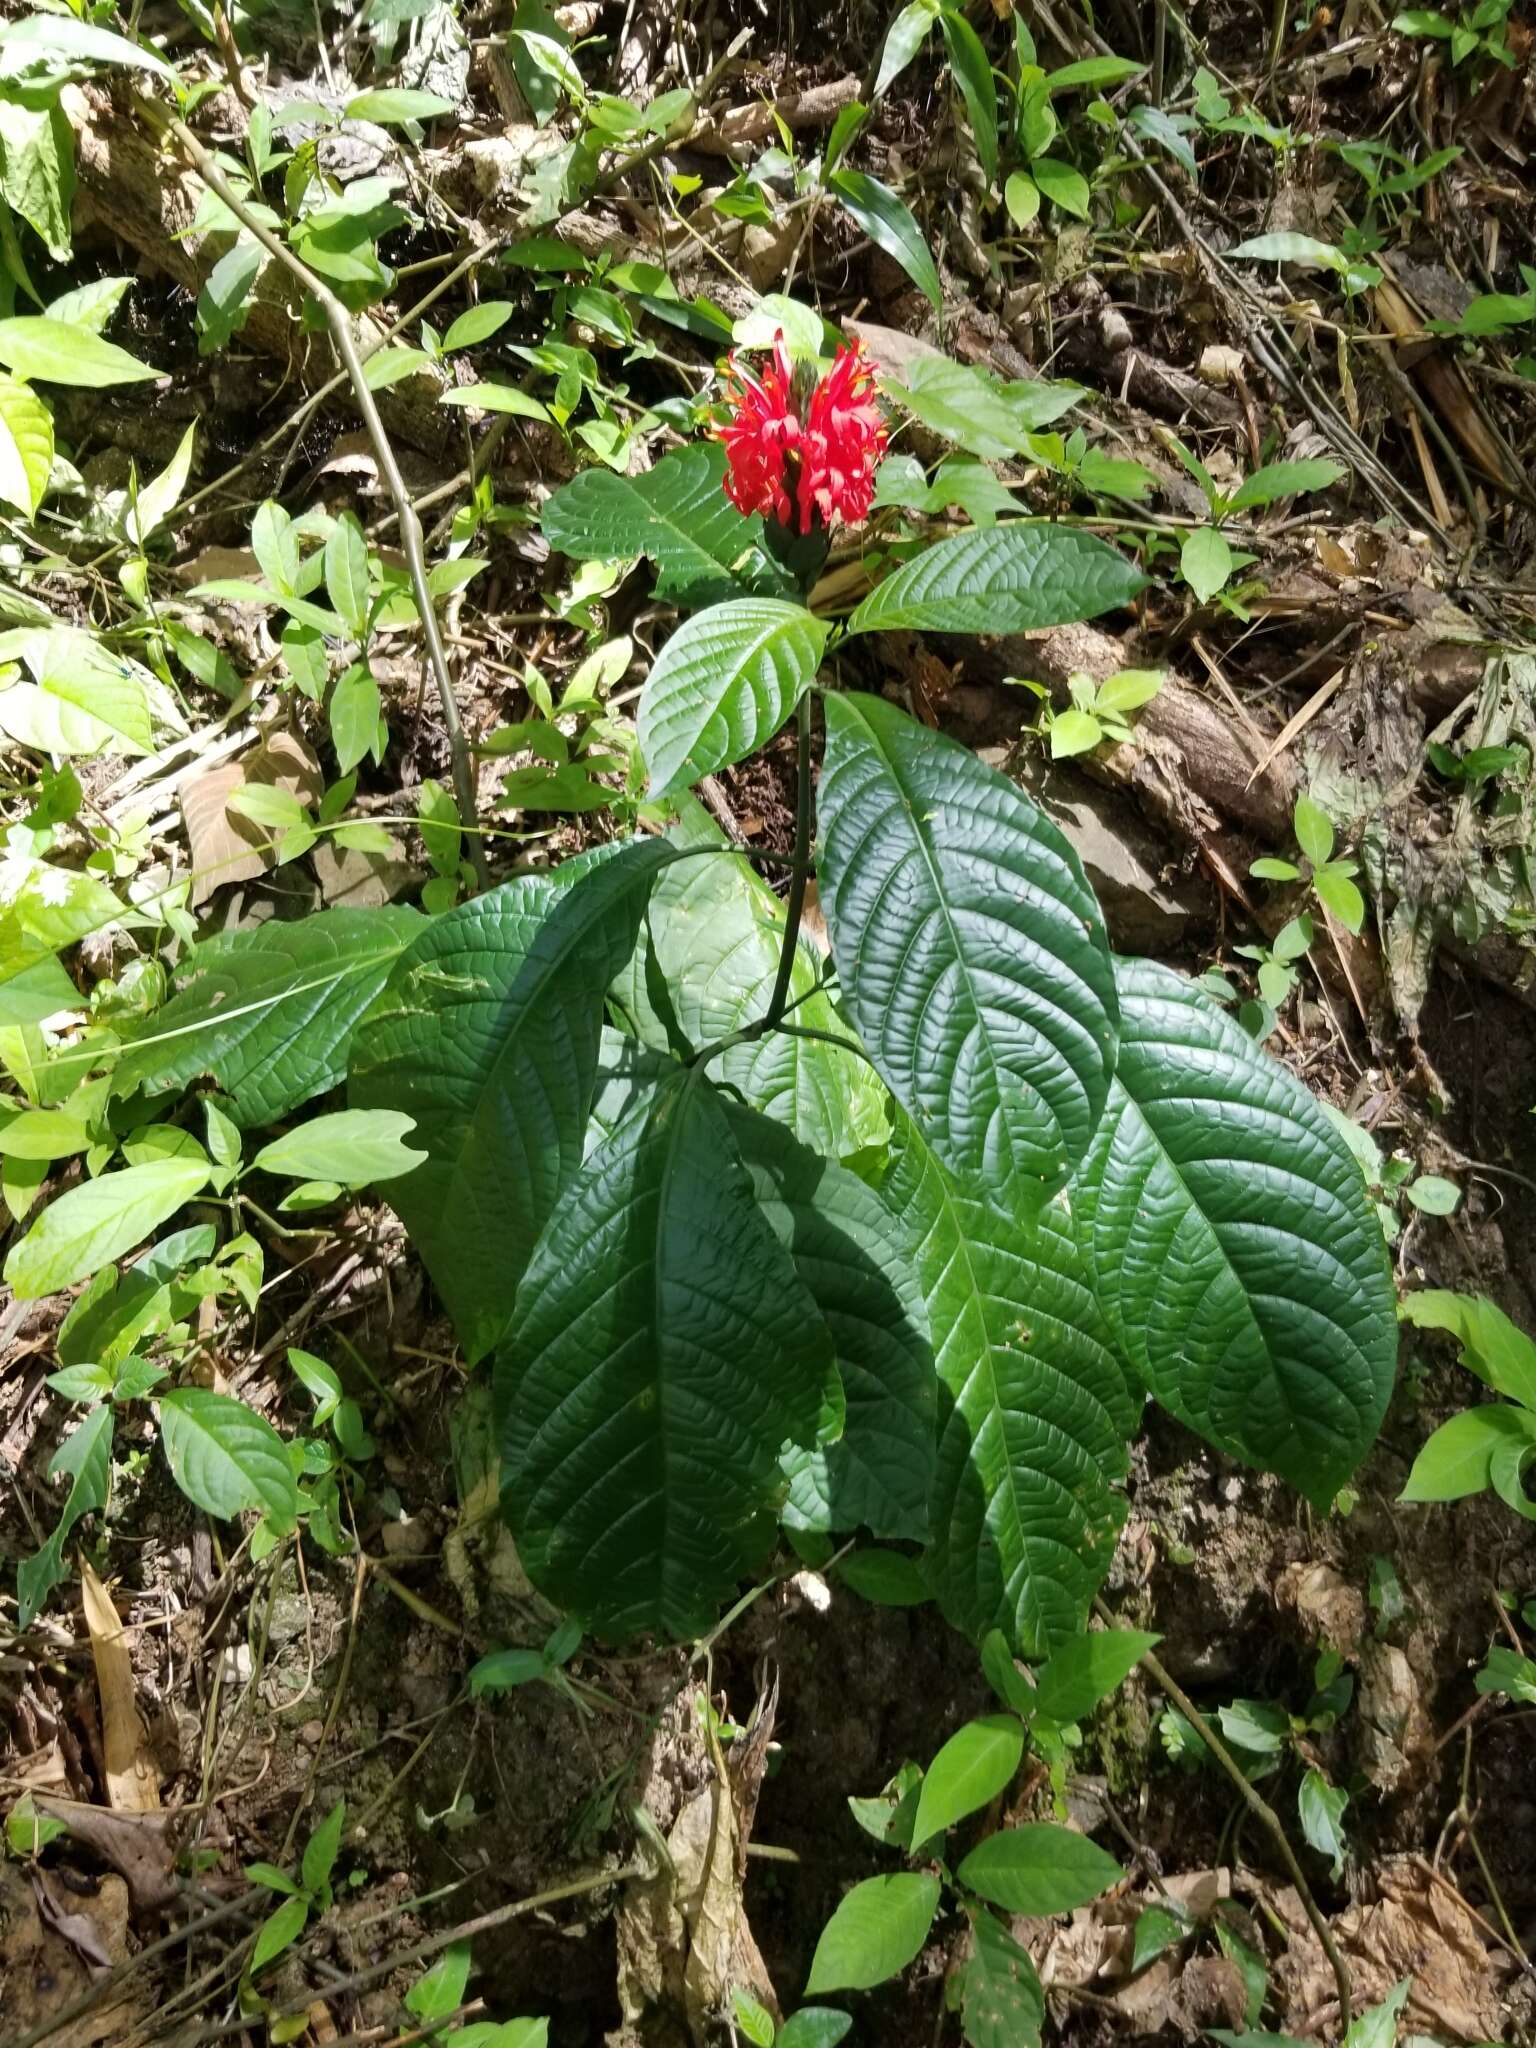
<point>803,458</point>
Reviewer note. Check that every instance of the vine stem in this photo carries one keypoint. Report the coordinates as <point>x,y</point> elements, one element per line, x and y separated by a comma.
<point>345,342</point>
<point>800,873</point>
<point>1262,1812</point>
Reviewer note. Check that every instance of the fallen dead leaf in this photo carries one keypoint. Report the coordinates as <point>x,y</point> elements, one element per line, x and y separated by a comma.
<point>225,847</point>
<point>133,1783</point>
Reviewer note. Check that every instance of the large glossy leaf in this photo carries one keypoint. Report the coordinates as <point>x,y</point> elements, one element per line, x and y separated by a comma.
<point>662,1352</point>
<point>705,966</point>
<point>853,1257</point>
<point>679,515</point>
<point>269,1014</point>
<point>1236,1254</point>
<point>1001,579</point>
<point>723,685</point>
<point>970,950</point>
<point>1034,1411</point>
<point>96,1222</point>
<point>487,1034</point>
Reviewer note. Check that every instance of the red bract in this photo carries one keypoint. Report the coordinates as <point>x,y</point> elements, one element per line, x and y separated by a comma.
<point>804,463</point>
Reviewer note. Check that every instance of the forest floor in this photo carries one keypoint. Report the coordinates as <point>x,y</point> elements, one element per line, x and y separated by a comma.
<point>1387,613</point>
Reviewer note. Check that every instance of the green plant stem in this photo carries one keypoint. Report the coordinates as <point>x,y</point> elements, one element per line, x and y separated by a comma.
<point>800,874</point>
<point>340,324</point>
<point>1261,1810</point>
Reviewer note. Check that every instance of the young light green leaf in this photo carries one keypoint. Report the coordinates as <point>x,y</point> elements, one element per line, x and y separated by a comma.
<point>1429,1192</point>
<point>1205,562</point>
<point>225,1457</point>
<point>1458,1458</point>
<point>280,1930</point>
<point>723,685</point>
<point>93,1224</point>
<point>85,1458</point>
<point>477,323</point>
<point>34,346</point>
<point>1493,1347</point>
<point>321,1850</point>
<point>888,222</point>
<point>1001,579</point>
<point>276,547</point>
<point>1088,1669</point>
<point>346,575</point>
<point>391,105</point>
<point>1039,1868</point>
<point>1093,71</point>
<point>1237,1257</point>
<point>1506,1671</point>
<point>1074,732</point>
<point>1314,830</point>
<point>878,1928</point>
<point>354,712</point>
<point>158,499</point>
<point>55,36</point>
<point>1021,195</point>
<point>953,902</point>
<point>1285,480</point>
<point>903,39</point>
<point>972,408</point>
<point>352,1146</point>
<point>1321,1807</point>
<point>1157,1930</point>
<point>754,2020</point>
<point>504,398</point>
<point>977,1763</point>
<point>1338,893</point>
<point>1063,186</point>
<point>26,446</point>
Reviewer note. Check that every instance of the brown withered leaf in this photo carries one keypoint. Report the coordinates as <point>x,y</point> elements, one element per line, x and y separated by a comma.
<point>133,1783</point>
<point>224,846</point>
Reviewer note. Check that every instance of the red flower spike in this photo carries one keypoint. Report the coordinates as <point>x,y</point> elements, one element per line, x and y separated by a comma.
<point>810,464</point>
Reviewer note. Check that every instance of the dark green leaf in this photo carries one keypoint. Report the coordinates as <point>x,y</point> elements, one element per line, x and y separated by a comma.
<point>814,2026</point>
<point>886,1578</point>
<point>662,1352</point>
<point>970,407</point>
<point>970,950</point>
<point>279,1931</point>
<point>973,74</point>
<point>888,222</point>
<point>269,1014</point>
<point>1237,1256</point>
<point>852,1257</point>
<point>1001,579</point>
<point>487,1034</point>
<point>723,685</point>
<point>678,515</point>
<point>1002,2003</point>
<point>1321,1807</point>
<point>321,1851</point>
<point>1034,1412</point>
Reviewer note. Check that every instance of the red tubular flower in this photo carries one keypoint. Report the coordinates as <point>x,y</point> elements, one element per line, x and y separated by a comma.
<point>803,464</point>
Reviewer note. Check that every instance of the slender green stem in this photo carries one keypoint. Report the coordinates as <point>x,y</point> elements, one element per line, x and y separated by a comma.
<point>800,873</point>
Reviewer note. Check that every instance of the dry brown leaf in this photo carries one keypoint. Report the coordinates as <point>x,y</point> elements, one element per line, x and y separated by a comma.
<point>352,880</point>
<point>223,846</point>
<point>141,1847</point>
<point>133,1784</point>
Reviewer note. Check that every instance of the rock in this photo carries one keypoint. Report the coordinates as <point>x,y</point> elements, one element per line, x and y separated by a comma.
<point>1393,1732</point>
<point>1324,1600</point>
<point>1147,905</point>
